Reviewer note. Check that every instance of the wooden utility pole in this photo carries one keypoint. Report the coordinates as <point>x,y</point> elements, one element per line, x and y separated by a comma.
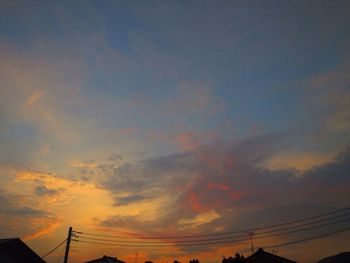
<point>68,245</point>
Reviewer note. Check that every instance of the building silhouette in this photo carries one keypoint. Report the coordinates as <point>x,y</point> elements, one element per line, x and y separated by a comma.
<point>261,256</point>
<point>106,259</point>
<point>14,250</point>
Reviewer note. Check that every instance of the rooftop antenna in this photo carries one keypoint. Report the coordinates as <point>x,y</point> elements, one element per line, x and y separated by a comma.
<point>251,241</point>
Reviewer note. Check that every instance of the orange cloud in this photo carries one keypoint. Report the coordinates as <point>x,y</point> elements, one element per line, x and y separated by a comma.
<point>34,98</point>
<point>79,164</point>
<point>200,219</point>
<point>43,231</point>
<point>298,161</point>
<point>74,203</point>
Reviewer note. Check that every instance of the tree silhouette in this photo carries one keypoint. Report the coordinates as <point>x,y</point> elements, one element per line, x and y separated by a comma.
<point>236,259</point>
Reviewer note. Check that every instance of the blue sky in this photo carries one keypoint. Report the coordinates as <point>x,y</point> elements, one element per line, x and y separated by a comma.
<point>172,115</point>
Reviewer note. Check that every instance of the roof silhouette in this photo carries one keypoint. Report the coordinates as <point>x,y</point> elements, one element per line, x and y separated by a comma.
<point>106,259</point>
<point>14,250</point>
<point>261,256</point>
<point>339,258</point>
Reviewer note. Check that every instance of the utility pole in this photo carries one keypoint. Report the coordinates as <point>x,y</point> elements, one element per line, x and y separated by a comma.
<point>68,244</point>
<point>251,241</point>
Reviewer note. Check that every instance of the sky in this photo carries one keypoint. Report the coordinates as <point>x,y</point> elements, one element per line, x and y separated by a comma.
<point>173,118</point>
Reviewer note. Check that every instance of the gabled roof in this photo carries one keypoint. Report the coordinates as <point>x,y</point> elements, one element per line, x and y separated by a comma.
<point>261,256</point>
<point>106,259</point>
<point>14,250</point>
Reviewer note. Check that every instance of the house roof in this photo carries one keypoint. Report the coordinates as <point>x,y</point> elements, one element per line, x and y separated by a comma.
<point>14,250</point>
<point>339,258</point>
<point>106,259</point>
<point>261,256</point>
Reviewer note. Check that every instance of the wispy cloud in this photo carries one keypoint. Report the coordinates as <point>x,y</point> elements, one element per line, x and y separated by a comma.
<point>48,229</point>
<point>34,98</point>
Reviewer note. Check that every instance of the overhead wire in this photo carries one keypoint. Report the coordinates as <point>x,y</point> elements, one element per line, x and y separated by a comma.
<point>319,222</point>
<point>310,238</point>
<point>237,238</point>
<point>226,233</point>
<point>151,246</point>
<point>51,251</point>
<point>60,255</point>
<point>266,247</point>
<point>303,224</point>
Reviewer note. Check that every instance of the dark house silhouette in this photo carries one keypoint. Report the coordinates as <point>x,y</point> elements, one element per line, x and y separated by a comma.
<point>105,259</point>
<point>261,256</point>
<point>14,250</point>
<point>340,258</point>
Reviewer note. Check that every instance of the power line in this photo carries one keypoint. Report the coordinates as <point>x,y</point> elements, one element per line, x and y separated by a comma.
<point>48,253</point>
<point>101,245</point>
<point>289,228</point>
<point>157,244</point>
<point>282,230</point>
<point>233,232</point>
<point>217,239</point>
<point>310,238</point>
<point>303,224</point>
<point>151,246</point>
<point>59,258</point>
<point>223,233</point>
<point>196,243</point>
<point>272,246</point>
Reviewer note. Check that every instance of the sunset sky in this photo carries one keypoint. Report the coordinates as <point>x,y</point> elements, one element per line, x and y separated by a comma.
<point>173,118</point>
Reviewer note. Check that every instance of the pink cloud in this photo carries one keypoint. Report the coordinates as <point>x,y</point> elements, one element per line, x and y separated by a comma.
<point>187,141</point>
<point>237,195</point>
<point>196,205</point>
<point>217,186</point>
<point>190,141</point>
